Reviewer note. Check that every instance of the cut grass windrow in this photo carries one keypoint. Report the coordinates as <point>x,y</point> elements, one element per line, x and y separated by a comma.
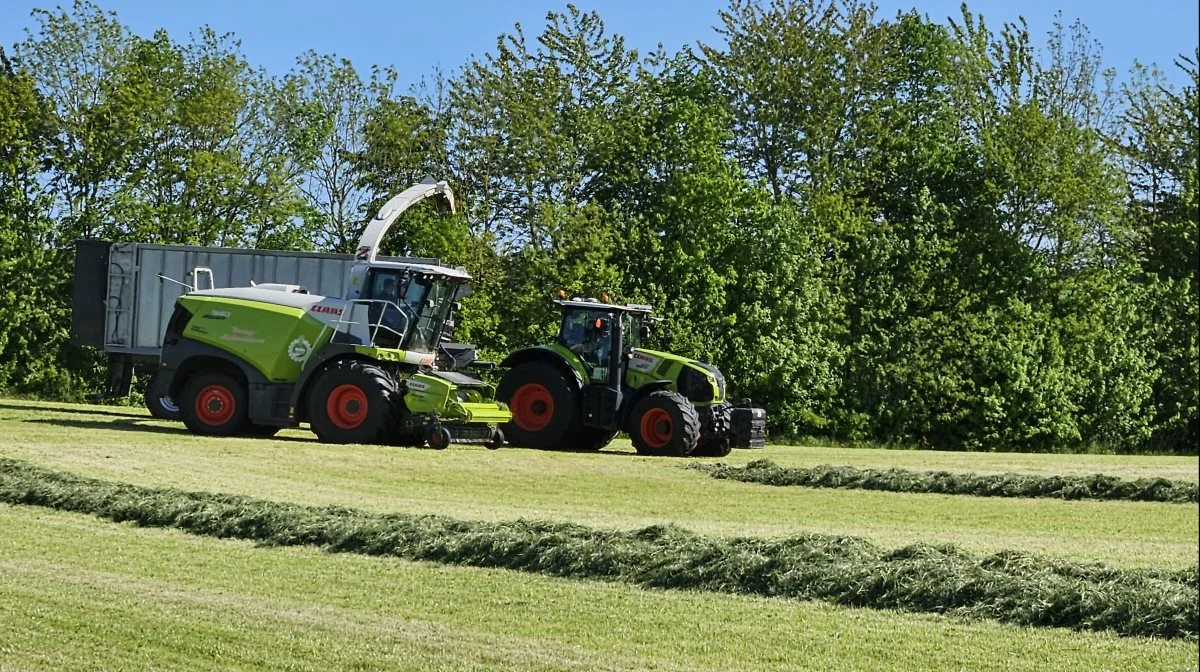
<point>1096,486</point>
<point>1009,586</point>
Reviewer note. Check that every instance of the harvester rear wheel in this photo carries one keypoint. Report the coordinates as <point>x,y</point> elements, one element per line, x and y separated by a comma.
<point>353,402</point>
<point>543,402</point>
<point>664,423</point>
<point>213,403</point>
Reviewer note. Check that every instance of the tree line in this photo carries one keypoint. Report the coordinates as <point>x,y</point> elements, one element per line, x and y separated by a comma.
<point>882,228</point>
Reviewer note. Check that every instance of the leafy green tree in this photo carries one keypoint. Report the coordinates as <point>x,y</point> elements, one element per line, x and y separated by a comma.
<point>1160,151</point>
<point>33,279</point>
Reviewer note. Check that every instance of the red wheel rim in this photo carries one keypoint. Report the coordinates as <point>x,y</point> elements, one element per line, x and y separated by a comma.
<point>532,407</point>
<point>215,405</point>
<point>347,406</point>
<point>657,428</point>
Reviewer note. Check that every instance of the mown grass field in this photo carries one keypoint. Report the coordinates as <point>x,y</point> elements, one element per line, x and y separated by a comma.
<point>78,592</point>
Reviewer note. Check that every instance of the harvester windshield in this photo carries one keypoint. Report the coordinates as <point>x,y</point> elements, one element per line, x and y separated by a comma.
<point>412,304</point>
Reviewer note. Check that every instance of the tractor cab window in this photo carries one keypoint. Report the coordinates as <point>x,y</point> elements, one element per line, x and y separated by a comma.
<point>631,330</point>
<point>588,334</point>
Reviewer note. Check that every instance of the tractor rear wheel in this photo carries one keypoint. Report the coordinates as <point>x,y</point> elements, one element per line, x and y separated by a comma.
<point>664,423</point>
<point>353,401</point>
<point>213,403</point>
<point>544,405</point>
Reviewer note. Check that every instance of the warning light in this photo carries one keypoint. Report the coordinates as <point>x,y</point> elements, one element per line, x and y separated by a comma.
<point>604,298</point>
<point>562,294</point>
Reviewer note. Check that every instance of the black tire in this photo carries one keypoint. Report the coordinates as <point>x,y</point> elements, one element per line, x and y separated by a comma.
<point>264,431</point>
<point>558,396</point>
<point>160,404</point>
<point>214,404</point>
<point>590,439</point>
<point>664,423</point>
<point>495,441</point>
<point>353,402</point>
<point>438,437</point>
<point>712,447</point>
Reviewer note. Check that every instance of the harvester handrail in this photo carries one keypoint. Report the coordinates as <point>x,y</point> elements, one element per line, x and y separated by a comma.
<point>374,327</point>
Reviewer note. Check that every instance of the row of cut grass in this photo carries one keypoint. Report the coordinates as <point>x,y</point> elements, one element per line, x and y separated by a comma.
<point>613,489</point>
<point>1010,587</point>
<point>1095,486</point>
<point>77,593</point>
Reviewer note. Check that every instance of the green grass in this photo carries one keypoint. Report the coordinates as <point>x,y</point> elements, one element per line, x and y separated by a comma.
<point>1012,586</point>
<point>614,489</point>
<point>77,593</point>
<point>1094,486</point>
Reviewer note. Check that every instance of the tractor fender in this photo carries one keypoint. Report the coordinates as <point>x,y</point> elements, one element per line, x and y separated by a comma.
<point>542,354</point>
<point>637,395</point>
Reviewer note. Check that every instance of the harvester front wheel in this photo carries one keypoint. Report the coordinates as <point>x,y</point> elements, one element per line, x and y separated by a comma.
<point>664,423</point>
<point>543,404</point>
<point>213,403</point>
<point>353,402</point>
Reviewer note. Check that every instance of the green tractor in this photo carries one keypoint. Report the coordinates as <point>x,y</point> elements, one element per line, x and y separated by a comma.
<point>369,368</point>
<point>596,380</point>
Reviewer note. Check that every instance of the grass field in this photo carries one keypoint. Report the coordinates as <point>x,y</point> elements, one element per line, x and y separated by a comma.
<point>608,489</point>
<point>76,592</point>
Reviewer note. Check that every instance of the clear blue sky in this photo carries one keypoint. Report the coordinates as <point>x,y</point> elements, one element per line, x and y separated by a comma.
<point>417,36</point>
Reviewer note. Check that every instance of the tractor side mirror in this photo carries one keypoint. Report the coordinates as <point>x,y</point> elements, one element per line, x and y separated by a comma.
<point>456,306</point>
<point>644,332</point>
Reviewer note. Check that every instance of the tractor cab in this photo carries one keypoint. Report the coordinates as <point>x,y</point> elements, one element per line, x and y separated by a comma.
<point>601,335</point>
<point>408,305</point>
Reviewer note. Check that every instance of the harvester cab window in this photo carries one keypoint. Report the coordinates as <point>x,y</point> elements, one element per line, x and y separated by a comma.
<point>588,334</point>
<point>387,285</point>
<point>432,304</point>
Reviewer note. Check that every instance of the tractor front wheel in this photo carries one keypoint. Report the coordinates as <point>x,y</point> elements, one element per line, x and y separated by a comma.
<point>213,403</point>
<point>543,402</point>
<point>353,402</point>
<point>664,423</point>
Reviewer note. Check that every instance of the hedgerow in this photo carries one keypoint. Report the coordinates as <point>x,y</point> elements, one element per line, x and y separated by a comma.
<point>1010,586</point>
<point>1095,486</point>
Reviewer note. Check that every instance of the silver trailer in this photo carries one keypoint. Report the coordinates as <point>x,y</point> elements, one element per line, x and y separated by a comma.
<point>125,292</point>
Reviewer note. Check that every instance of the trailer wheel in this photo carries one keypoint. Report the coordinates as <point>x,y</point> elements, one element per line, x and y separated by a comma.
<point>664,423</point>
<point>213,403</point>
<point>543,403</point>
<point>160,405</point>
<point>353,402</point>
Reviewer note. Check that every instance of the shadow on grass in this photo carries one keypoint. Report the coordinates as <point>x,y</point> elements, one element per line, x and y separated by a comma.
<point>97,410</point>
<point>140,424</point>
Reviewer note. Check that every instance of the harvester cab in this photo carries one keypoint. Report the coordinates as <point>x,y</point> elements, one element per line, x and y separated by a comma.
<point>597,379</point>
<point>360,369</point>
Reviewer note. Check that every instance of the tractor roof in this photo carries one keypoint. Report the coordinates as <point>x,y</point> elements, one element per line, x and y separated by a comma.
<point>593,304</point>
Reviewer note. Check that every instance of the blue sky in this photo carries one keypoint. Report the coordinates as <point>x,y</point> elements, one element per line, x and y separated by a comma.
<point>416,37</point>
